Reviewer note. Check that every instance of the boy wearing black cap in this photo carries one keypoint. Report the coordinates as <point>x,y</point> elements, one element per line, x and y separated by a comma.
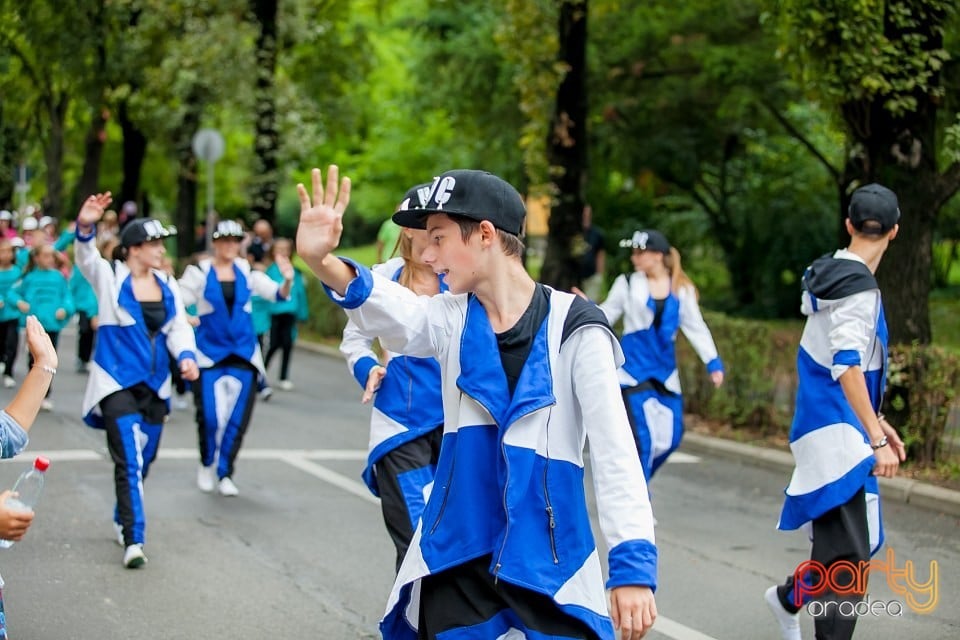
<point>840,441</point>
<point>504,545</point>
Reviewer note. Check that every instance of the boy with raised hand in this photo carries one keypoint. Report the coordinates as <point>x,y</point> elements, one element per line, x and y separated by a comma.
<point>839,439</point>
<point>504,545</point>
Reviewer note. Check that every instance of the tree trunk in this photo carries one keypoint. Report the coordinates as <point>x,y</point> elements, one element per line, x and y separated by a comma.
<point>567,149</point>
<point>899,152</point>
<point>53,155</point>
<point>93,152</point>
<point>134,152</point>
<point>266,139</point>
<point>186,212</point>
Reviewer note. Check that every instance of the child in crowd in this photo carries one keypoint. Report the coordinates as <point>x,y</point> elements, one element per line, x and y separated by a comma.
<point>9,313</point>
<point>285,314</point>
<point>406,425</point>
<point>43,291</point>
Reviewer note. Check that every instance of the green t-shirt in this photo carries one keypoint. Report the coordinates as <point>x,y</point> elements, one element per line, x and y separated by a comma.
<point>388,235</point>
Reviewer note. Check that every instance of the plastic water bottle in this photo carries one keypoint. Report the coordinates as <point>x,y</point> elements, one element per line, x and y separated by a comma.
<point>28,488</point>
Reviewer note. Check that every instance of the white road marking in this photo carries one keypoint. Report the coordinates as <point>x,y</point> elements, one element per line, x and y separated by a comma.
<point>677,631</point>
<point>332,477</point>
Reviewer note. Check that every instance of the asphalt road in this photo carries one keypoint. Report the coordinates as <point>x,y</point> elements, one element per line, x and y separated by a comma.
<point>302,552</point>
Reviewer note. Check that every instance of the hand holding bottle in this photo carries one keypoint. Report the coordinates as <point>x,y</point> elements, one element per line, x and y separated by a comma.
<point>13,522</point>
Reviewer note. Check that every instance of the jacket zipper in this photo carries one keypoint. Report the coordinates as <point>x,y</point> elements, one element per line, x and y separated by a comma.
<point>446,494</point>
<point>551,521</point>
<point>506,514</point>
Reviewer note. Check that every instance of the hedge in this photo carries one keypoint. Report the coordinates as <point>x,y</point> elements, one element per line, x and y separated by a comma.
<point>761,380</point>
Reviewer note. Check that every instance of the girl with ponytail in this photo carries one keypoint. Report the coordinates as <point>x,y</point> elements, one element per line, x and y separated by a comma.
<point>656,301</point>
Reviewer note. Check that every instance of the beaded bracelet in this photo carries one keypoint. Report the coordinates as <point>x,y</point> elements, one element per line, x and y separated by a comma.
<point>46,368</point>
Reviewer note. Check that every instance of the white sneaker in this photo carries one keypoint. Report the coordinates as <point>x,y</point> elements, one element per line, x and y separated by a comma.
<point>789,622</point>
<point>118,529</point>
<point>227,488</point>
<point>180,403</point>
<point>9,382</point>
<point>134,557</point>
<point>206,478</point>
<point>286,385</point>
<point>265,394</point>
<point>46,405</point>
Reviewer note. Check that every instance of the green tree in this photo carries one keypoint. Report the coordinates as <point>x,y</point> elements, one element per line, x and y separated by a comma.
<point>882,66</point>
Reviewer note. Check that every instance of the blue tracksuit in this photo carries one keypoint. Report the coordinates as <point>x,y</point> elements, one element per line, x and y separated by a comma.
<point>229,357</point>
<point>649,376</point>
<point>509,481</point>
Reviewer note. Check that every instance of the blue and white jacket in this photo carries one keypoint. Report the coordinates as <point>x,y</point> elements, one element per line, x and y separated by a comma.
<point>845,327</point>
<point>409,402</point>
<point>509,481</point>
<point>651,351</point>
<point>126,353</point>
<point>222,333</point>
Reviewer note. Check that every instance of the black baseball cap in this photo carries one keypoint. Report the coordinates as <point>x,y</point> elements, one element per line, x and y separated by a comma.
<point>227,229</point>
<point>468,193</point>
<point>414,198</point>
<point>647,240</point>
<point>874,202</point>
<point>144,230</point>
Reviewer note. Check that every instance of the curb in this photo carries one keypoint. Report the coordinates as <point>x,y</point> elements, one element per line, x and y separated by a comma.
<point>906,490</point>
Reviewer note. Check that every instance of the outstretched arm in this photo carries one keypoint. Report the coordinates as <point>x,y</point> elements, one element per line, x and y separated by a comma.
<point>321,225</point>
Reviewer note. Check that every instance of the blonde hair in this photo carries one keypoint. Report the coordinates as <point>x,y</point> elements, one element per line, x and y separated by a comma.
<point>678,278</point>
<point>404,247</point>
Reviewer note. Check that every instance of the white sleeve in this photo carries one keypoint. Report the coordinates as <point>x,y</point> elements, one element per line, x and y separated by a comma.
<point>694,327</point>
<point>623,503</point>
<point>355,347</point>
<point>263,285</point>
<point>617,299</point>
<point>403,321</point>
<point>92,265</point>
<point>180,335</point>
<point>852,327</point>
<point>191,284</point>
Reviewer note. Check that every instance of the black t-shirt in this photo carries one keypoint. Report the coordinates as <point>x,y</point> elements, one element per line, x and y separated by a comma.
<point>229,293</point>
<point>154,314</point>
<point>515,342</point>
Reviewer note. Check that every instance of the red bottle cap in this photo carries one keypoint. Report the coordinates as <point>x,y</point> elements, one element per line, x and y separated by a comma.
<point>41,463</point>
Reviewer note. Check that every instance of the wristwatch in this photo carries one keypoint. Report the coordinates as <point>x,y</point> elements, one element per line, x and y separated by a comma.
<point>881,443</point>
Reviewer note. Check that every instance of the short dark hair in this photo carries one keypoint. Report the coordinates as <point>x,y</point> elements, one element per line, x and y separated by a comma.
<point>512,244</point>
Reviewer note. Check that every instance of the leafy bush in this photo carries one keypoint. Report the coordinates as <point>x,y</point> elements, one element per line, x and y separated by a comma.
<point>923,386</point>
<point>760,378</point>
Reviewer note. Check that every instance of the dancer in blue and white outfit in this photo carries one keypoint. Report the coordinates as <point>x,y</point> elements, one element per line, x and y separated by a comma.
<point>656,301</point>
<point>839,439</point>
<point>222,288</point>
<point>406,425</point>
<point>142,323</point>
<point>504,547</point>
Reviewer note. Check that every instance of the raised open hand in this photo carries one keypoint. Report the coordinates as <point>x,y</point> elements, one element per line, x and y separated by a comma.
<point>40,345</point>
<point>321,215</point>
<point>93,208</point>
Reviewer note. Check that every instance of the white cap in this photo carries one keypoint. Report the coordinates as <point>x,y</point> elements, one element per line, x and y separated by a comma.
<point>29,224</point>
<point>6,215</point>
<point>17,241</point>
<point>45,220</point>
